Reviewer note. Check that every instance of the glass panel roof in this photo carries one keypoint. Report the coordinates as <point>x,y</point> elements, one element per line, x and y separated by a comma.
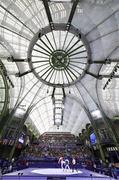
<point>57,63</point>
<point>57,99</point>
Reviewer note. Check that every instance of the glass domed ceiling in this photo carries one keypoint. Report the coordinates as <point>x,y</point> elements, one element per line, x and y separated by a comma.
<point>98,21</point>
<point>58,57</point>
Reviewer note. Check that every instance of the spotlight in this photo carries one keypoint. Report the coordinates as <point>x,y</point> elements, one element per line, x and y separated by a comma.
<point>111,76</point>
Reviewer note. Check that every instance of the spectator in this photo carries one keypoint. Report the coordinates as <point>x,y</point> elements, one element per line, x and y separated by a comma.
<point>113,171</point>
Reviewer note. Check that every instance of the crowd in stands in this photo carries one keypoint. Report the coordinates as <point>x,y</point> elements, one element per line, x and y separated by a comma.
<point>47,151</point>
<point>54,146</point>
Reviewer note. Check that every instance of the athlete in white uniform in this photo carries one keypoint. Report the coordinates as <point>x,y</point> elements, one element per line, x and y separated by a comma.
<point>61,162</point>
<point>67,164</point>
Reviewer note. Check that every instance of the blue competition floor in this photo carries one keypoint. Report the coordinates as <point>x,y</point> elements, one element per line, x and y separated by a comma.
<point>54,174</point>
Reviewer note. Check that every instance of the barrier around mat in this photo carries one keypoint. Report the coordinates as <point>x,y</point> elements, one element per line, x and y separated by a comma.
<point>54,178</point>
<point>23,178</point>
<point>51,174</point>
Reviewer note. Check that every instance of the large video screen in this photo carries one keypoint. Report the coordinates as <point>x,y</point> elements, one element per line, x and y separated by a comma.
<point>21,139</point>
<point>92,138</point>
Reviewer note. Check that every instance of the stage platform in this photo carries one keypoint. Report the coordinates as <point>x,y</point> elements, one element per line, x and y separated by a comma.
<point>54,174</point>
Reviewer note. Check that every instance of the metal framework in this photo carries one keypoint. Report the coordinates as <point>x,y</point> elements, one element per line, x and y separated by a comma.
<point>4,94</point>
<point>59,54</point>
<point>62,63</point>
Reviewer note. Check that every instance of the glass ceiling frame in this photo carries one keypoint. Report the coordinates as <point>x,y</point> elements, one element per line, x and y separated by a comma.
<point>23,34</point>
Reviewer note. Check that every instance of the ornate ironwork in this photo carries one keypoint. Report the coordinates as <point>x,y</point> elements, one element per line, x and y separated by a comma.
<point>59,57</point>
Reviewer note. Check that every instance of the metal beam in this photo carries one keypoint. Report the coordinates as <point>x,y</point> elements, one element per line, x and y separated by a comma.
<point>101,76</point>
<point>12,59</point>
<point>18,19</point>
<point>53,92</point>
<point>22,74</point>
<point>10,81</point>
<point>112,75</point>
<point>100,62</point>
<point>14,32</point>
<point>106,61</point>
<point>108,76</point>
<point>94,75</point>
<point>64,95</point>
<point>70,20</point>
<point>47,9</point>
<point>72,13</point>
<point>5,73</point>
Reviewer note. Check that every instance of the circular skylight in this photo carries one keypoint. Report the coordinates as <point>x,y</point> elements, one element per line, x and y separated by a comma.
<point>59,57</point>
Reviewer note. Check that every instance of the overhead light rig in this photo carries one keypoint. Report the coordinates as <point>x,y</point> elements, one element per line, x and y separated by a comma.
<point>6,75</point>
<point>112,75</point>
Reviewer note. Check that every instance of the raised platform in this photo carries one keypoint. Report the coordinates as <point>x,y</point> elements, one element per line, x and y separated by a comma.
<point>54,174</point>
